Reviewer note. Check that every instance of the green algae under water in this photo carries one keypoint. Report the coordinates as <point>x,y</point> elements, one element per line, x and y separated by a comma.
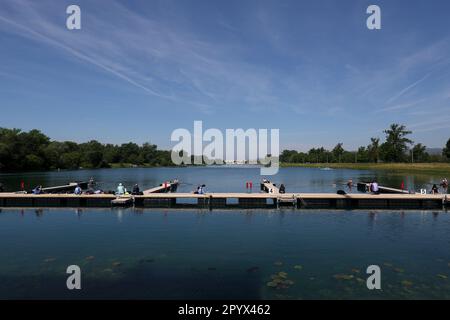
<point>235,254</point>
<point>251,254</point>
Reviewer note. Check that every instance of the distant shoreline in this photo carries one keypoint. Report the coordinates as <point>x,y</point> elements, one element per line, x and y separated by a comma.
<point>425,168</point>
<point>416,168</point>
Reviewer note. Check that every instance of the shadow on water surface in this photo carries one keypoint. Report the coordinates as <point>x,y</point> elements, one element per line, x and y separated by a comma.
<point>136,283</point>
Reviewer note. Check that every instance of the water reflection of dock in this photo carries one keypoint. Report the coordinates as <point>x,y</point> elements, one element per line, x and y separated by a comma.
<point>233,200</point>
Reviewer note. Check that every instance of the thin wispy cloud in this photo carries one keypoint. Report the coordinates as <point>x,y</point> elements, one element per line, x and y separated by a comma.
<point>265,64</point>
<point>402,106</point>
<point>406,89</point>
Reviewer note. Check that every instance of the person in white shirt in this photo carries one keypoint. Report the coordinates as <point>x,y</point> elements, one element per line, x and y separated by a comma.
<point>374,187</point>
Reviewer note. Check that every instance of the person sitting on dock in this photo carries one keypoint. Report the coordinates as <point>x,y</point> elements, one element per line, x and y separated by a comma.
<point>2,189</point>
<point>201,190</point>
<point>37,190</point>
<point>374,187</point>
<point>282,189</point>
<point>434,189</point>
<point>121,190</point>
<point>136,191</point>
<point>78,190</point>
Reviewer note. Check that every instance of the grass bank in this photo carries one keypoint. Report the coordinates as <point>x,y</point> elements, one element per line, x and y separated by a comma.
<point>416,168</point>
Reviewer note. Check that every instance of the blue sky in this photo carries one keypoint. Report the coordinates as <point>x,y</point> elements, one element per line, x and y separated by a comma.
<point>137,70</point>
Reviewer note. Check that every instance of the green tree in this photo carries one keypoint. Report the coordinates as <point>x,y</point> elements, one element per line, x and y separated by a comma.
<point>396,143</point>
<point>92,154</point>
<point>33,162</point>
<point>338,151</point>
<point>373,150</point>
<point>362,155</point>
<point>419,153</point>
<point>446,150</point>
<point>71,160</point>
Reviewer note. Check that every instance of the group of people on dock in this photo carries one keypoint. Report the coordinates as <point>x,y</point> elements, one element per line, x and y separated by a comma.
<point>90,187</point>
<point>169,186</point>
<point>372,187</point>
<point>200,189</point>
<point>121,190</point>
<point>443,185</point>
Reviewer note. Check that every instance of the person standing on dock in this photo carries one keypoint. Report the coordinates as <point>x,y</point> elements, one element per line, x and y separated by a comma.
<point>444,185</point>
<point>374,187</point>
<point>350,185</point>
<point>91,185</point>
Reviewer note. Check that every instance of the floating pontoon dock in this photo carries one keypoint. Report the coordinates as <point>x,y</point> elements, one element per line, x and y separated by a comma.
<point>232,200</point>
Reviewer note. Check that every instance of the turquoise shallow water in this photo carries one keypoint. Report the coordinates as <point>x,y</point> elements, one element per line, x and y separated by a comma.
<point>195,254</point>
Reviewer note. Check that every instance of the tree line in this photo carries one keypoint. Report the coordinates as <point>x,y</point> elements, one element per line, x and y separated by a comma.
<point>33,150</point>
<point>397,147</point>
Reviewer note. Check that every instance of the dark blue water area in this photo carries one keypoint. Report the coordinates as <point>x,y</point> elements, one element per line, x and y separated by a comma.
<point>233,254</point>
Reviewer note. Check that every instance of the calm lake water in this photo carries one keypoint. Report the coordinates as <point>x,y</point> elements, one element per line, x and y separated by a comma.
<point>193,254</point>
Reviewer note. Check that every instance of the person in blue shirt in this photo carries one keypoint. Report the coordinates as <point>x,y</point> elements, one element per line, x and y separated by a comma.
<point>121,189</point>
<point>37,190</point>
<point>201,190</point>
<point>78,190</point>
